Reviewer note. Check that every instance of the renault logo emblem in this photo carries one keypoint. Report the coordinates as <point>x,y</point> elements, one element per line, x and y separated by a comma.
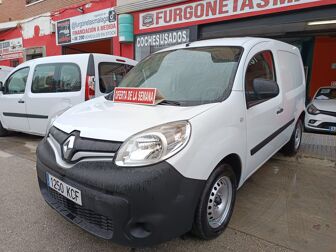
<point>68,147</point>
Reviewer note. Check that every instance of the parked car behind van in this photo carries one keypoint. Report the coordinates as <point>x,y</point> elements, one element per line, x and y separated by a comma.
<point>321,112</point>
<point>140,175</point>
<point>41,89</point>
<point>4,71</point>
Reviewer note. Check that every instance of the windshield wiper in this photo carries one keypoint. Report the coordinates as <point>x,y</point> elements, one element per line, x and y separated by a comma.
<point>169,102</point>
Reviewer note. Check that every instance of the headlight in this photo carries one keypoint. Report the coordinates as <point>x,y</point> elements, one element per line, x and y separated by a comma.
<point>154,145</point>
<point>313,110</point>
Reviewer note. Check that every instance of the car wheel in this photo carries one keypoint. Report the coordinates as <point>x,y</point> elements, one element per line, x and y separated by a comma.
<point>3,131</point>
<point>292,147</point>
<point>216,204</point>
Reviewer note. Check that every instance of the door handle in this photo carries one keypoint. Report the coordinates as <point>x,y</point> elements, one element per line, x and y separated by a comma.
<point>280,110</point>
<point>21,101</point>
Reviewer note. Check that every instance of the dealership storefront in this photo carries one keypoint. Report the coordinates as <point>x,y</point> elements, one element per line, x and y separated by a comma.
<point>88,33</point>
<point>292,21</point>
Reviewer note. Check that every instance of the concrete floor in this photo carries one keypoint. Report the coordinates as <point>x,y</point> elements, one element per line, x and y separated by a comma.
<point>288,205</point>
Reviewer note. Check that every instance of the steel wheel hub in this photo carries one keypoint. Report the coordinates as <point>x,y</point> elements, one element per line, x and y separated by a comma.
<point>219,202</point>
<point>298,134</point>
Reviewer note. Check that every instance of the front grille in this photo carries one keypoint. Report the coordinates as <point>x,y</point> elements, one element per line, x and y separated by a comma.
<point>86,144</point>
<point>326,125</point>
<point>101,221</point>
<point>330,113</point>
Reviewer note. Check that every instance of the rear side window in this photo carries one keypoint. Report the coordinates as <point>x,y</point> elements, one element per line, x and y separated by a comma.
<point>56,78</point>
<point>261,66</point>
<point>291,68</point>
<point>110,75</point>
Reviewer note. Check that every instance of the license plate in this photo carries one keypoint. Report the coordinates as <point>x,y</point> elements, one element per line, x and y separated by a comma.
<point>66,190</point>
<point>333,129</point>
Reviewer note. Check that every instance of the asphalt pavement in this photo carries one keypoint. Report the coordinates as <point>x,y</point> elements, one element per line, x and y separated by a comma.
<point>288,205</point>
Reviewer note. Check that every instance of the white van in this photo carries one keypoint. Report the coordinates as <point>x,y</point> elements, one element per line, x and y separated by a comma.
<point>140,175</point>
<point>41,89</point>
<point>4,71</point>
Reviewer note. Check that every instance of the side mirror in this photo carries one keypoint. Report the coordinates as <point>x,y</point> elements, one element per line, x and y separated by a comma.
<point>2,87</point>
<point>265,89</point>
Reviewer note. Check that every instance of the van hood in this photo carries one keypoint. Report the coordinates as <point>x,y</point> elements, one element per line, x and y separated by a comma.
<point>326,105</point>
<point>106,120</point>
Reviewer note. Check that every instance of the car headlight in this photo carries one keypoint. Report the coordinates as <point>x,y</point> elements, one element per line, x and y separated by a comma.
<point>154,145</point>
<point>313,110</point>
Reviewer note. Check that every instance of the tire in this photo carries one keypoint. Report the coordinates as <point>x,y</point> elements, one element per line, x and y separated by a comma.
<point>292,147</point>
<point>222,180</point>
<point>3,132</point>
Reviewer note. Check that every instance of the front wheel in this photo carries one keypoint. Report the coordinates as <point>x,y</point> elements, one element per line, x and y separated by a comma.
<point>292,147</point>
<point>216,204</point>
<point>3,131</point>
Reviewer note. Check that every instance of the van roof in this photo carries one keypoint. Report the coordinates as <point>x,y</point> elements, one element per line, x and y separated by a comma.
<point>245,42</point>
<point>74,58</point>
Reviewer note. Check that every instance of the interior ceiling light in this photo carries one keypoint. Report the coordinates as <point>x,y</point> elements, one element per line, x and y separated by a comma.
<point>322,22</point>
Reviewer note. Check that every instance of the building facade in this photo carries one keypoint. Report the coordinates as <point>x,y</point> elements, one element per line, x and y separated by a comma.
<point>32,32</point>
<point>11,10</point>
<point>137,28</point>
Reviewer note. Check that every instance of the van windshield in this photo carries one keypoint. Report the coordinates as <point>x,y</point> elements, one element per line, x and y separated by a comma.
<point>188,77</point>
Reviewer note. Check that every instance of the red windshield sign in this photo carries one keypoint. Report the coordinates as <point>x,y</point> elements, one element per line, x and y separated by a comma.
<point>145,96</point>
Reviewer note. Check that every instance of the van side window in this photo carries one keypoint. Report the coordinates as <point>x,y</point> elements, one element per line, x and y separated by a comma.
<point>70,78</point>
<point>110,75</point>
<point>261,66</point>
<point>16,83</point>
<point>56,78</point>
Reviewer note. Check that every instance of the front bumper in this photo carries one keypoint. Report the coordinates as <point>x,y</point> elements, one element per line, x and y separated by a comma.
<point>136,207</point>
<point>320,123</point>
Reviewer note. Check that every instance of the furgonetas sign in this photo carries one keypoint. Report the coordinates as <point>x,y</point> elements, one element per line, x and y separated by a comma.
<point>92,26</point>
<point>198,11</point>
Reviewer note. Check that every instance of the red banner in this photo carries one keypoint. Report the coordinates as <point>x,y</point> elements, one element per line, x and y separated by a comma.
<point>199,12</point>
<point>145,96</point>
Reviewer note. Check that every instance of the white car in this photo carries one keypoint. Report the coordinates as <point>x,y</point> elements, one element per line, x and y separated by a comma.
<point>321,112</point>
<point>39,90</point>
<point>4,71</point>
<point>140,175</point>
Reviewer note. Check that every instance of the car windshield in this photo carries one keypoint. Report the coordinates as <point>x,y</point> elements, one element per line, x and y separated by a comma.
<point>326,94</point>
<point>187,77</point>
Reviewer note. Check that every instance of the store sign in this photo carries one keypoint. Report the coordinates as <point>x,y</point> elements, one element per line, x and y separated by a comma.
<point>211,9</point>
<point>163,39</point>
<point>11,49</point>
<point>96,25</point>
<point>144,96</point>
<point>153,42</point>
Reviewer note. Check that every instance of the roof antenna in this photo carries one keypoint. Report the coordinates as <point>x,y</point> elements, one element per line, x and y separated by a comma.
<point>188,44</point>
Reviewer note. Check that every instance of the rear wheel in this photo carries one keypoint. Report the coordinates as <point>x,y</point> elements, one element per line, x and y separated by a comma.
<point>292,147</point>
<point>216,205</point>
<point>3,131</point>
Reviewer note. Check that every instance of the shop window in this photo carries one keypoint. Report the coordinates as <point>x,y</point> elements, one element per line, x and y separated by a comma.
<point>110,75</point>
<point>16,83</point>
<point>28,2</point>
<point>35,53</point>
<point>56,78</point>
<point>261,66</point>
<point>14,63</point>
